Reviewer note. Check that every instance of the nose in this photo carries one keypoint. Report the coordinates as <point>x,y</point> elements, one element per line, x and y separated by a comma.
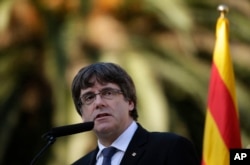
<point>99,101</point>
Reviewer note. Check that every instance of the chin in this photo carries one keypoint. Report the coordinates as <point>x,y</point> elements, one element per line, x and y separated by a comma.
<point>104,129</point>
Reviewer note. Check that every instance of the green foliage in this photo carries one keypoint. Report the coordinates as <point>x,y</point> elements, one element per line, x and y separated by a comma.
<point>166,46</point>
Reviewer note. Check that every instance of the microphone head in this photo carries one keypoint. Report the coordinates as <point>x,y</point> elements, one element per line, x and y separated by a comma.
<point>69,130</point>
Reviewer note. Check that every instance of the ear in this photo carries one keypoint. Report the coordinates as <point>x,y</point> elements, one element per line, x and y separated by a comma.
<point>131,105</point>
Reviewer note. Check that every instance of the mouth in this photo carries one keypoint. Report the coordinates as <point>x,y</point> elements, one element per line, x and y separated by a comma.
<point>102,115</point>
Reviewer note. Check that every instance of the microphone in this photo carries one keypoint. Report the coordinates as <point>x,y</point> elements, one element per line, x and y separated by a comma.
<point>62,131</point>
<point>69,129</point>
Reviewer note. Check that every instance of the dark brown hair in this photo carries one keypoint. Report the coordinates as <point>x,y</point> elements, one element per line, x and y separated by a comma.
<point>104,73</point>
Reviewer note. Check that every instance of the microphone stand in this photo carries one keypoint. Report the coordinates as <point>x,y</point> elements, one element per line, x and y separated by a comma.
<point>51,139</point>
<point>62,131</point>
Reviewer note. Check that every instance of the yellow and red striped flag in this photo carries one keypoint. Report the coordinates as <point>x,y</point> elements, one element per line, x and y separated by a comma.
<point>222,130</point>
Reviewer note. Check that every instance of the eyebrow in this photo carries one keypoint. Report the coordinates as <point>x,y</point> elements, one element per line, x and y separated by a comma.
<point>90,92</point>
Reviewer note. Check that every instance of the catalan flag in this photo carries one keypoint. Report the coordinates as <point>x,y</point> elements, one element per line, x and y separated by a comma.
<point>222,131</point>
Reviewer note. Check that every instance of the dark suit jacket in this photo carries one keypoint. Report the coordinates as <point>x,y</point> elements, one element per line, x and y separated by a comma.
<point>152,148</point>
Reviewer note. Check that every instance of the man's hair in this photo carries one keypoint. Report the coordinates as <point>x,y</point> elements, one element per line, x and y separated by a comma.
<point>104,73</point>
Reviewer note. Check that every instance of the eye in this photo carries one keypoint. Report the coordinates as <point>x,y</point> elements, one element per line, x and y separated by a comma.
<point>107,92</point>
<point>88,97</point>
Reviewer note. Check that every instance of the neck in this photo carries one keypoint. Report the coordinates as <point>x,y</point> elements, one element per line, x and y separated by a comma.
<point>108,138</point>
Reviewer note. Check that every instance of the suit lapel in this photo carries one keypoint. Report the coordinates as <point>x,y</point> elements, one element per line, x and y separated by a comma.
<point>136,147</point>
<point>93,157</point>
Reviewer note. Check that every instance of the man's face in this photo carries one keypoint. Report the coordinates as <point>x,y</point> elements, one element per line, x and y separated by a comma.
<point>111,116</point>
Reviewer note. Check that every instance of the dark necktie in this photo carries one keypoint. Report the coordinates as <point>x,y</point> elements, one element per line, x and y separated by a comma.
<point>107,155</point>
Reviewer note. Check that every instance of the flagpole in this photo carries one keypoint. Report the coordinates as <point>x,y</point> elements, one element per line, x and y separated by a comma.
<point>223,9</point>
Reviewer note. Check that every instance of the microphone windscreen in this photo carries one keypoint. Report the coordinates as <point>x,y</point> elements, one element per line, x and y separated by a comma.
<point>70,129</point>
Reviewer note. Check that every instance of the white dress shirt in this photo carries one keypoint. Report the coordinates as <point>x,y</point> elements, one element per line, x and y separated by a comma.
<point>121,143</point>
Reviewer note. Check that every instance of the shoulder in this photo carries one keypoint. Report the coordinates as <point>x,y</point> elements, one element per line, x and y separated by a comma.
<point>160,139</point>
<point>166,135</point>
<point>161,136</point>
<point>170,146</point>
<point>171,139</point>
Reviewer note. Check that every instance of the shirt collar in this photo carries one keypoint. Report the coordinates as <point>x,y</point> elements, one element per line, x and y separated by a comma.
<point>122,142</point>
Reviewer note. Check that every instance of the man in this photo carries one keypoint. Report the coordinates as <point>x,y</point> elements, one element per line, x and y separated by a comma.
<point>105,93</point>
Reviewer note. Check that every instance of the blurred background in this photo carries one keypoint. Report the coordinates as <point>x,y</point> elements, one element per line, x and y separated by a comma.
<point>165,45</point>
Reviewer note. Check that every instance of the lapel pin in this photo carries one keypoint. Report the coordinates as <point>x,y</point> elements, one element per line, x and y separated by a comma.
<point>133,154</point>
